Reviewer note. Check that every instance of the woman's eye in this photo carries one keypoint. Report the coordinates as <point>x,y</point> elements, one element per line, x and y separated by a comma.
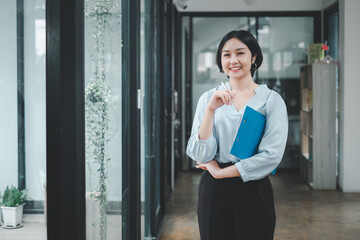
<point>239,53</point>
<point>226,55</point>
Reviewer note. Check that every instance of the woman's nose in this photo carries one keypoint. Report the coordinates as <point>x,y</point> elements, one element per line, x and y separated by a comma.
<point>233,59</point>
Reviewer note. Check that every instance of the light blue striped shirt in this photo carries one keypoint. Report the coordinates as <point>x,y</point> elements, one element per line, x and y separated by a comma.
<point>226,123</point>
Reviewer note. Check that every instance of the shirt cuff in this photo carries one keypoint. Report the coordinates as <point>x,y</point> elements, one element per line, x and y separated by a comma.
<point>242,168</point>
<point>209,141</point>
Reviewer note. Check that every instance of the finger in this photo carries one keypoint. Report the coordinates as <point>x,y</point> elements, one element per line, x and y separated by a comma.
<point>218,94</point>
<point>229,97</point>
<point>201,166</point>
<point>223,99</point>
<point>230,92</point>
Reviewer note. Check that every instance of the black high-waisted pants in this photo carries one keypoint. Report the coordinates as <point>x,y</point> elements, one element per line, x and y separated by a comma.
<point>229,209</point>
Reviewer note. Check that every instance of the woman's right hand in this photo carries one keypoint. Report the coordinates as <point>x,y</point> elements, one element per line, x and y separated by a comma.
<point>221,97</point>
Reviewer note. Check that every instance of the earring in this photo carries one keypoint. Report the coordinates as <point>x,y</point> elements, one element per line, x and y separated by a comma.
<point>253,68</point>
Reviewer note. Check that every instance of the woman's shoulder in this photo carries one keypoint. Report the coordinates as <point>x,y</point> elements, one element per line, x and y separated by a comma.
<point>275,97</point>
<point>267,95</point>
<point>275,101</point>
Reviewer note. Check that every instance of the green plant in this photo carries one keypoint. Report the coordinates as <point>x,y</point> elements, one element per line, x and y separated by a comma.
<point>13,197</point>
<point>98,100</point>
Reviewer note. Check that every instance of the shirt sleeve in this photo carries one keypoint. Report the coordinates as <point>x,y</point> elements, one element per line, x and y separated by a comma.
<point>272,145</point>
<point>201,150</point>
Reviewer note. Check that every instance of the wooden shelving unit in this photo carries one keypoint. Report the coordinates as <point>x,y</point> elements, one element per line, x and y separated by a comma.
<point>318,124</point>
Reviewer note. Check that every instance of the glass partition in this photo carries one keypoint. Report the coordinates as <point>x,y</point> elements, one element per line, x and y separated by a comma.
<point>151,108</point>
<point>284,48</point>
<point>333,34</point>
<point>103,119</point>
<point>23,112</point>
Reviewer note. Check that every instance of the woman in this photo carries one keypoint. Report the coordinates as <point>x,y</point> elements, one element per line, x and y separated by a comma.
<point>235,195</point>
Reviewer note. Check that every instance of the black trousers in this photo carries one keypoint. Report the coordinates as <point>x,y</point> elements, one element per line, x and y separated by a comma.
<point>229,209</point>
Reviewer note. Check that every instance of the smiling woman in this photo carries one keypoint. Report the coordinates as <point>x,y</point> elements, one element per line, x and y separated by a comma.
<point>236,191</point>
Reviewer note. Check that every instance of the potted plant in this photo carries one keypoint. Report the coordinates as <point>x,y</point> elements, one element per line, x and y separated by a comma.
<point>13,202</point>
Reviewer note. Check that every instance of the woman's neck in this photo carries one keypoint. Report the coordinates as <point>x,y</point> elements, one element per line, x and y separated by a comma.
<point>244,84</point>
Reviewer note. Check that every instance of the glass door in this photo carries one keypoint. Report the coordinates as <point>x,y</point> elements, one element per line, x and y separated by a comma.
<point>23,115</point>
<point>92,114</point>
<point>284,51</point>
<point>155,115</point>
<point>103,119</point>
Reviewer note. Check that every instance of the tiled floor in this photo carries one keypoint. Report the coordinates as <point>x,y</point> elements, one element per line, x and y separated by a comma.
<point>301,213</point>
<point>34,228</point>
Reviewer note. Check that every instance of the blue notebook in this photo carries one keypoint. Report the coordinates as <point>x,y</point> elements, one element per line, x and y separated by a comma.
<point>249,135</point>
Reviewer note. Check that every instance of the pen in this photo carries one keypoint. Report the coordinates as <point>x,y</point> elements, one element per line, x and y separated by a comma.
<point>224,85</point>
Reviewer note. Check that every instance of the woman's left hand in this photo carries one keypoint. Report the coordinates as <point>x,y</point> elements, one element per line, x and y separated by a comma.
<point>212,167</point>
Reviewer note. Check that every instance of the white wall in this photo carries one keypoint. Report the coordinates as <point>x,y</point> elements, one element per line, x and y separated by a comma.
<point>349,110</point>
<point>8,95</point>
<point>260,5</point>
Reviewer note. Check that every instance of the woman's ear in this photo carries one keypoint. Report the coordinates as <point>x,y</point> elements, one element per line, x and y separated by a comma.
<point>253,58</point>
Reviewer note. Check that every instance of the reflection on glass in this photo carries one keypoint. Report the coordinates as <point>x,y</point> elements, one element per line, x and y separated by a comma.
<point>142,127</point>
<point>22,110</point>
<point>333,33</point>
<point>284,46</point>
<point>103,118</point>
<point>284,52</point>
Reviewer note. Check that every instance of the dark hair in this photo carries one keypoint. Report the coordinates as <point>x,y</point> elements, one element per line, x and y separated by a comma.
<point>249,40</point>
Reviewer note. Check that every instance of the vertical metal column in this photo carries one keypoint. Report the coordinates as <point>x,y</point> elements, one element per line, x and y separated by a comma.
<point>20,93</point>
<point>65,120</point>
<point>131,206</point>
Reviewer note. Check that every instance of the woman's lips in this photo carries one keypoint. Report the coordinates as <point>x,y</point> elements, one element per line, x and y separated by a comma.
<point>235,69</point>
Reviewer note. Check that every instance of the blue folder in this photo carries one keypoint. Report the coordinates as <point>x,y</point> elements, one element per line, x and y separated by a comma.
<point>249,134</point>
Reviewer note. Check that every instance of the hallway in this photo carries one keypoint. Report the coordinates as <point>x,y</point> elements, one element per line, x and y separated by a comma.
<point>301,212</point>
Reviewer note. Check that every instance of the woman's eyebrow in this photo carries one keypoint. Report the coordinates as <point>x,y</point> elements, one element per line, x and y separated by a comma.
<point>234,50</point>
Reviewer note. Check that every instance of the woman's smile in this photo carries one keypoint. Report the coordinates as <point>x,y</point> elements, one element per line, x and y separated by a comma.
<point>235,69</point>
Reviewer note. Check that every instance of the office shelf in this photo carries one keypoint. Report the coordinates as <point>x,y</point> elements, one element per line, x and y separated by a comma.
<point>318,124</point>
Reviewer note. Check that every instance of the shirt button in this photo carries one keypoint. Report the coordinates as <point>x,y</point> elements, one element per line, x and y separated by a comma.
<point>237,139</point>
<point>244,120</point>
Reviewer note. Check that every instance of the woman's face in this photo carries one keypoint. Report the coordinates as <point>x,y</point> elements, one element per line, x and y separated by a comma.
<point>236,59</point>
